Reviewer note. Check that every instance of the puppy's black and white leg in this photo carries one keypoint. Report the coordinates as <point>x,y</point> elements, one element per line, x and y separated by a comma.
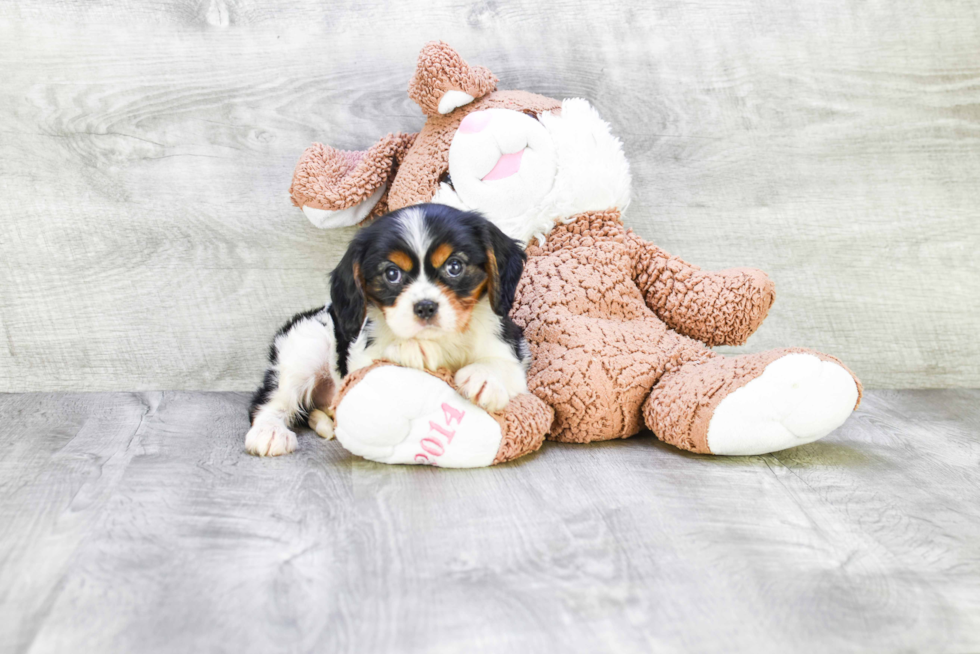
<point>302,377</point>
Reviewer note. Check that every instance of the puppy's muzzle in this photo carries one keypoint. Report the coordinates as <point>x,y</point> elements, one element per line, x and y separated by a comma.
<point>425,309</point>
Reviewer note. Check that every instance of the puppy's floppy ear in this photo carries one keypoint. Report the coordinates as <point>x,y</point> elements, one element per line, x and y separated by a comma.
<point>347,291</point>
<point>505,263</point>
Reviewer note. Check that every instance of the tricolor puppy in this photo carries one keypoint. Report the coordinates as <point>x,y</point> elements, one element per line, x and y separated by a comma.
<point>427,287</point>
<point>430,287</point>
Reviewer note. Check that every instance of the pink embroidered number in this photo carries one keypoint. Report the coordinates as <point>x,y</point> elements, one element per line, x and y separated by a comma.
<point>445,432</point>
<point>432,445</point>
<point>450,413</point>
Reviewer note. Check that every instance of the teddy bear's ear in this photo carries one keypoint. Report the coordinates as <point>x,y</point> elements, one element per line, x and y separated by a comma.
<point>443,81</point>
<point>340,188</point>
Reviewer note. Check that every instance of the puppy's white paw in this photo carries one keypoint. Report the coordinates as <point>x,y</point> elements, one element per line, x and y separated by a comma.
<point>269,438</point>
<point>483,385</point>
<point>321,423</point>
<point>412,354</point>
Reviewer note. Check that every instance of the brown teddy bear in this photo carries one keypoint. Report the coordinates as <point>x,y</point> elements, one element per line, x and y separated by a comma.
<point>619,330</point>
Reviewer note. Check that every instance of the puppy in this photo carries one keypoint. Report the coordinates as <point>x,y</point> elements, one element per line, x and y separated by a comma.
<point>425,287</point>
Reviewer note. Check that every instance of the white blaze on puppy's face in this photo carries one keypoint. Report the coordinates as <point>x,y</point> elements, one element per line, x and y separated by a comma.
<point>402,317</point>
<point>411,224</point>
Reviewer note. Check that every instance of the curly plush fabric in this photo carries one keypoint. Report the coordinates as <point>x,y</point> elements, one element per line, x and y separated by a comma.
<point>441,69</point>
<point>718,308</point>
<point>597,348</point>
<point>327,178</point>
<point>523,425</point>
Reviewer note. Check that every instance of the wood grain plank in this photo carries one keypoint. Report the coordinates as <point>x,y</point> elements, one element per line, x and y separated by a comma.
<point>146,149</point>
<point>136,522</point>
<point>56,485</point>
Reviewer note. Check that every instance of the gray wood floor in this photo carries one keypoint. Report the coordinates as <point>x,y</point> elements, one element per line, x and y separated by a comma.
<point>135,522</point>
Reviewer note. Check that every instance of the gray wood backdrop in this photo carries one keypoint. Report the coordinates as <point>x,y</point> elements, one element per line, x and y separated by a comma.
<point>147,240</point>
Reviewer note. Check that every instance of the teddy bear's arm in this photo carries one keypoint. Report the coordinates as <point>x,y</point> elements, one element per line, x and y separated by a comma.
<point>717,308</point>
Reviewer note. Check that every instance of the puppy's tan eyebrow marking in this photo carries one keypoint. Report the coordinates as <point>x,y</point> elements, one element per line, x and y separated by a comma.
<point>401,260</point>
<point>441,254</point>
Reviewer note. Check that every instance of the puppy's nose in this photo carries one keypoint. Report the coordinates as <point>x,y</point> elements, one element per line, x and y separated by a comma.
<point>425,309</point>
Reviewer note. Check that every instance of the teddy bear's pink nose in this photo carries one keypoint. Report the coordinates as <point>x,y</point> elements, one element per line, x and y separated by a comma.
<point>475,122</point>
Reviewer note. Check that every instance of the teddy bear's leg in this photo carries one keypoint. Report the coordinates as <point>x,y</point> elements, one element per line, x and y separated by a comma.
<point>752,404</point>
<point>596,373</point>
<point>391,414</point>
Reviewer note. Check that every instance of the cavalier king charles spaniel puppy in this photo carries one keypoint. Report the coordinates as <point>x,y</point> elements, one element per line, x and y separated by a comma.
<point>427,287</point>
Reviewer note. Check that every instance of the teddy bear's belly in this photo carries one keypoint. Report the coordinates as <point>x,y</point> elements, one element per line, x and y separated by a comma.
<point>596,348</point>
<point>593,281</point>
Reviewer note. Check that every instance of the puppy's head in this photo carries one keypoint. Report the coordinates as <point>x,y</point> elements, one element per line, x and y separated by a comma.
<point>425,268</point>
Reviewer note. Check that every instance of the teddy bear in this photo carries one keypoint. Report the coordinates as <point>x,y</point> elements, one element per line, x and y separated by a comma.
<point>620,331</point>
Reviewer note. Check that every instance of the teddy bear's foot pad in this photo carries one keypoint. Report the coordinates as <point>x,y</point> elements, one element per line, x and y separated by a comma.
<point>797,399</point>
<point>399,415</point>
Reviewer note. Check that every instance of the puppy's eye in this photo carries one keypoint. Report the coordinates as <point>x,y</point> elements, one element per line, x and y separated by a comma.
<point>393,275</point>
<point>454,267</point>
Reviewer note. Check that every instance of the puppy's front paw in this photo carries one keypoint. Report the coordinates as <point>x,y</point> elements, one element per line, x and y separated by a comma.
<point>321,423</point>
<point>411,354</point>
<point>269,438</point>
<point>482,384</point>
